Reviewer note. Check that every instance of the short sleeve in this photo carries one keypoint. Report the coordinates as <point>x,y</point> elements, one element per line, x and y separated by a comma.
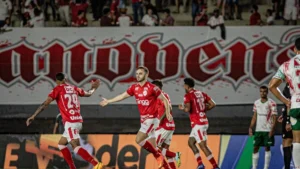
<point>54,94</point>
<point>79,91</point>
<point>156,91</point>
<point>186,99</point>
<point>280,73</point>
<point>273,108</point>
<point>254,108</point>
<point>130,90</point>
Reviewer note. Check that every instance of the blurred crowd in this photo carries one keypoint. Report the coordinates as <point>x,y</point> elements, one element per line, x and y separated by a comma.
<point>35,13</point>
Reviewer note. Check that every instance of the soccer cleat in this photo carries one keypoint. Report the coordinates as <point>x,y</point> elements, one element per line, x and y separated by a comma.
<point>98,166</point>
<point>177,159</point>
<point>201,166</point>
<point>160,161</point>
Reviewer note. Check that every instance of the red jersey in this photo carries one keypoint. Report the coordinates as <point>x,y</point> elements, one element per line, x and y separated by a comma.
<point>80,21</point>
<point>198,101</point>
<point>164,123</point>
<point>254,18</point>
<point>66,97</point>
<point>146,98</point>
<point>76,8</point>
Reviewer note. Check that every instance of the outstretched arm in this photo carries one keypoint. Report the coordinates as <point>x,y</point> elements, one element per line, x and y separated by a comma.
<point>115,99</point>
<point>40,109</point>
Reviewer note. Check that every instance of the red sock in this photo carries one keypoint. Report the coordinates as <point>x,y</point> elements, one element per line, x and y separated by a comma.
<point>172,164</point>
<point>85,155</point>
<point>212,161</point>
<point>168,153</point>
<point>166,165</point>
<point>149,147</point>
<point>198,158</point>
<point>67,156</point>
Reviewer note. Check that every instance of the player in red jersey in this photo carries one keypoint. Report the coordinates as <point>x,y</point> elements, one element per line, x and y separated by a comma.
<point>66,97</point>
<point>165,130</point>
<point>146,95</point>
<point>196,103</point>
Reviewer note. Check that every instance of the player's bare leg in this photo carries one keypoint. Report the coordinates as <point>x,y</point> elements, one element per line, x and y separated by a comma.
<point>84,154</point>
<point>255,157</point>
<point>296,148</point>
<point>141,139</point>
<point>287,151</point>
<point>203,146</point>
<point>192,144</point>
<point>171,156</point>
<point>66,152</point>
<point>267,157</point>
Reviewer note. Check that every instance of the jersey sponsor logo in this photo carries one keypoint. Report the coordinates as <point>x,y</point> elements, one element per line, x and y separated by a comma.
<point>203,120</point>
<point>170,124</point>
<point>143,102</point>
<point>76,117</point>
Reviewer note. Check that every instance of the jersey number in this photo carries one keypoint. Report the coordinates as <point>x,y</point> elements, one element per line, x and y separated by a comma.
<point>201,104</point>
<point>72,100</point>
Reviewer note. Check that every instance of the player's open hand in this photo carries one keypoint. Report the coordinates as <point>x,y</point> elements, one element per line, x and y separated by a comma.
<point>288,127</point>
<point>169,117</point>
<point>180,107</point>
<point>280,119</point>
<point>29,120</point>
<point>95,84</point>
<point>104,102</point>
<point>250,132</point>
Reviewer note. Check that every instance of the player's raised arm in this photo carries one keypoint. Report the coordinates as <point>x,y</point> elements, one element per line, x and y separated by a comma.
<point>118,98</point>
<point>40,109</point>
<point>95,85</point>
<point>275,83</point>
<point>167,106</point>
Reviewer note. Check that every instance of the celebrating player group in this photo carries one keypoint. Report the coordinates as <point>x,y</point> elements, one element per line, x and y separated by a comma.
<point>157,124</point>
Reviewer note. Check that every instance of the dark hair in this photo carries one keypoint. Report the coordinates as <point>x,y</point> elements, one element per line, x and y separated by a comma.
<point>216,11</point>
<point>106,11</point>
<point>255,7</point>
<point>167,11</point>
<point>80,12</point>
<point>189,81</point>
<point>144,68</point>
<point>270,12</point>
<point>36,12</point>
<point>297,43</point>
<point>264,87</point>
<point>158,83</point>
<point>60,76</point>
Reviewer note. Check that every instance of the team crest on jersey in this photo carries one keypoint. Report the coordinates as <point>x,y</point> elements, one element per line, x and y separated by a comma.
<point>145,93</point>
<point>136,88</point>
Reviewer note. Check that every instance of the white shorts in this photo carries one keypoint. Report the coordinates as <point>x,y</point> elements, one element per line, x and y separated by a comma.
<point>163,136</point>
<point>290,13</point>
<point>72,131</point>
<point>149,126</point>
<point>199,132</point>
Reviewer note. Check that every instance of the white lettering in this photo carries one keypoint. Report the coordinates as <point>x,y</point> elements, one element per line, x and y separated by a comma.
<point>203,120</point>
<point>143,102</point>
<point>76,117</point>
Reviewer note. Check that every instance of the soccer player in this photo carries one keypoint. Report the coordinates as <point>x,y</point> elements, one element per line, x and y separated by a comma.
<point>287,136</point>
<point>146,95</point>
<point>165,130</point>
<point>196,103</point>
<point>290,71</point>
<point>66,97</point>
<point>265,114</point>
